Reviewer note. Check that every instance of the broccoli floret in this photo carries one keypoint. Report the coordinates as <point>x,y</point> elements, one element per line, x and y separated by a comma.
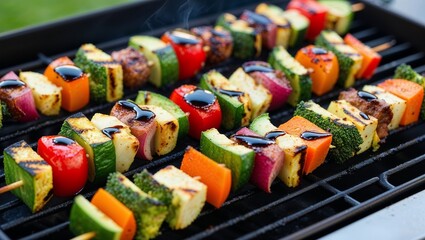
<point>345,136</point>
<point>149,212</point>
<point>325,40</point>
<point>149,185</point>
<point>405,71</point>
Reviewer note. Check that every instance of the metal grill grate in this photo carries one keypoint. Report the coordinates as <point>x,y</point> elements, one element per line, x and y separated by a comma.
<point>327,199</point>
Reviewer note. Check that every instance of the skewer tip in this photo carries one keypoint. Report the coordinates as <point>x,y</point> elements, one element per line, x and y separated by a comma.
<point>11,186</point>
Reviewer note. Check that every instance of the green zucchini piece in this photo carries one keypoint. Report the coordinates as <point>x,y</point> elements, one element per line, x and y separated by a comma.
<point>239,159</point>
<point>236,110</point>
<point>21,162</point>
<point>349,60</point>
<point>85,217</point>
<point>345,136</point>
<point>100,148</point>
<point>339,15</point>
<point>299,25</point>
<point>151,98</point>
<point>106,76</point>
<point>149,212</point>
<point>165,69</point>
<point>296,73</point>
<point>246,41</point>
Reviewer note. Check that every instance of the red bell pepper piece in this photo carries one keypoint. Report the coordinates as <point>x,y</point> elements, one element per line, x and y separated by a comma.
<point>68,161</point>
<point>201,106</point>
<point>189,51</point>
<point>371,59</point>
<point>315,12</point>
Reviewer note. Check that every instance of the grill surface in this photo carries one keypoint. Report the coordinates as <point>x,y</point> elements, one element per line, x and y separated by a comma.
<point>331,197</point>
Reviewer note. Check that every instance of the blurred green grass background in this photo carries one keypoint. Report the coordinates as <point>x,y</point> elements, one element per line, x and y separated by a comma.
<point>15,14</point>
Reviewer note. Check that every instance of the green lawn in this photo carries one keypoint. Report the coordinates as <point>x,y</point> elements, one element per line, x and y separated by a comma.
<point>15,14</point>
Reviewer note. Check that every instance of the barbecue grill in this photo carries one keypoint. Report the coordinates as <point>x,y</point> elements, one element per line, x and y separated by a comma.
<point>328,199</point>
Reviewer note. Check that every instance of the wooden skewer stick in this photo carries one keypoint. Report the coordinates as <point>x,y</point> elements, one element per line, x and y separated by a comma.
<point>85,236</point>
<point>11,186</point>
<point>357,7</point>
<point>384,46</point>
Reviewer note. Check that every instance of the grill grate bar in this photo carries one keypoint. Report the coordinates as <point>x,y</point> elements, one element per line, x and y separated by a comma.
<point>47,231</point>
<point>13,203</point>
<point>285,220</point>
<point>347,214</point>
<point>395,63</point>
<point>231,222</point>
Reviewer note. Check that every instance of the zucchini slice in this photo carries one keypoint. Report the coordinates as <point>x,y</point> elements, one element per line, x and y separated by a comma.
<point>246,40</point>
<point>21,162</point>
<point>189,196</point>
<point>165,69</point>
<point>237,158</point>
<point>235,104</point>
<point>106,76</point>
<point>297,75</point>
<point>99,147</point>
<point>125,144</point>
<point>85,217</point>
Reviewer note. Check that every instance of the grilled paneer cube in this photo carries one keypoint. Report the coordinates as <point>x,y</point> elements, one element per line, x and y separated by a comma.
<point>22,163</point>
<point>106,76</point>
<point>259,95</point>
<point>100,148</point>
<point>125,144</point>
<point>349,60</point>
<point>47,96</point>
<point>149,212</point>
<point>189,196</point>
<point>167,130</point>
<point>345,136</point>
<point>397,105</point>
<point>293,147</point>
<point>365,124</point>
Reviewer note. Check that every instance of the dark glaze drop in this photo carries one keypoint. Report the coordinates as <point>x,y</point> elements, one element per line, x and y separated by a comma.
<point>256,68</point>
<point>310,135</point>
<point>69,73</point>
<point>141,114</point>
<point>259,19</point>
<point>366,95</point>
<point>230,93</point>
<point>364,116</point>
<point>272,135</point>
<point>253,141</point>
<point>319,51</point>
<point>10,83</point>
<point>219,33</point>
<point>200,98</point>
<point>110,131</point>
<point>63,141</point>
<point>180,37</point>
